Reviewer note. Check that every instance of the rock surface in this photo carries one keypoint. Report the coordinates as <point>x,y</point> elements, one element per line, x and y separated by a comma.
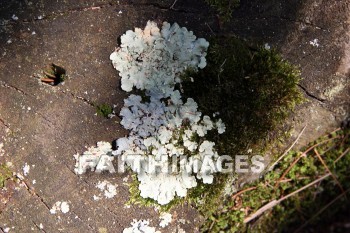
<point>44,125</point>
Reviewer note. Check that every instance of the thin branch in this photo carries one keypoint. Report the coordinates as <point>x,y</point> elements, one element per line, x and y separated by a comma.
<point>221,70</point>
<point>210,28</point>
<point>3,122</point>
<point>260,211</point>
<point>298,178</point>
<point>172,6</point>
<point>344,139</point>
<point>342,155</point>
<point>286,152</point>
<point>305,187</point>
<point>329,149</point>
<point>328,170</point>
<point>243,191</point>
<point>211,225</point>
<point>288,169</point>
<point>273,203</point>
<point>302,155</point>
<point>336,130</point>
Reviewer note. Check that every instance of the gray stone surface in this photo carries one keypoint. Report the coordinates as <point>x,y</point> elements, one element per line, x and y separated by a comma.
<point>290,26</point>
<point>44,126</point>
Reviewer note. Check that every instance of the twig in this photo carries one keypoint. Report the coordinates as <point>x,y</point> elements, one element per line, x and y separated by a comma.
<point>337,129</point>
<point>329,149</point>
<point>210,28</point>
<point>302,155</point>
<point>221,70</point>
<point>329,171</point>
<point>305,187</point>
<point>321,210</point>
<point>342,155</point>
<point>298,178</point>
<point>286,152</point>
<point>211,225</point>
<point>243,191</point>
<point>288,169</point>
<point>172,6</point>
<point>316,193</point>
<point>276,202</point>
<point>344,139</point>
<point>268,206</point>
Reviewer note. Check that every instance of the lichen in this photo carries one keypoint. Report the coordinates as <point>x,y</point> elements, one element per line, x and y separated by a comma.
<point>165,124</point>
<point>255,91</point>
<point>140,226</point>
<point>96,159</point>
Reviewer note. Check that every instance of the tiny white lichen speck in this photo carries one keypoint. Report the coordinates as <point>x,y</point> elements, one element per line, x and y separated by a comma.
<point>140,226</point>
<point>60,206</point>
<point>314,43</point>
<point>107,188</point>
<point>26,169</point>
<point>165,219</point>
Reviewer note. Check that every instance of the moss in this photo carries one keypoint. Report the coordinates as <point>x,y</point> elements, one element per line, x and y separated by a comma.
<point>5,174</point>
<point>254,90</point>
<point>104,110</point>
<point>224,7</point>
<point>62,77</point>
<point>300,208</point>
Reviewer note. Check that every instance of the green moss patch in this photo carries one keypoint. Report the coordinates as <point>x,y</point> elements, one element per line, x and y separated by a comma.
<point>104,110</point>
<point>5,174</point>
<point>313,208</point>
<point>224,7</point>
<point>254,90</point>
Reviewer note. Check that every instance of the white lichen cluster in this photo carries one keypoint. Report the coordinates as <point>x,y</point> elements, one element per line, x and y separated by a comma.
<point>153,60</point>
<point>26,169</point>
<point>141,226</point>
<point>163,123</point>
<point>2,151</point>
<point>165,219</point>
<point>97,159</point>
<point>109,190</point>
<point>60,207</point>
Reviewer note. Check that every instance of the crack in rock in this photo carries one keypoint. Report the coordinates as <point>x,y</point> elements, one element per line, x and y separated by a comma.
<point>312,95</point>
<point>4,123</point>
<point>6,85</point>
<point>38,227</point>
<point>45,118</point>
<point>86,223</point>
<point>32,191</point>
<point>84,100</point>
